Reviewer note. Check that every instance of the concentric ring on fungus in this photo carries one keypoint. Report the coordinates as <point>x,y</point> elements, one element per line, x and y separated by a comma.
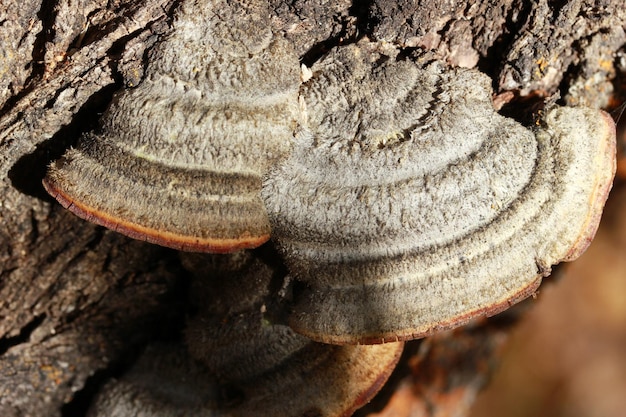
<point>408,205</point>
<point>396,194</point>
<point>240,363</point>
<point>179,159</point>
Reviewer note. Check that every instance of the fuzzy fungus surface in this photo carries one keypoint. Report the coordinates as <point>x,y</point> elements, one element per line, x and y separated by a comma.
<point>237,362</point>
<point>178,160</point>
<point>401,202</point>
<point>409,205</point>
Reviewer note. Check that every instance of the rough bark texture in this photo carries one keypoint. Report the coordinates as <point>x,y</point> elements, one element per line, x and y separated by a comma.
<point>77,301</point>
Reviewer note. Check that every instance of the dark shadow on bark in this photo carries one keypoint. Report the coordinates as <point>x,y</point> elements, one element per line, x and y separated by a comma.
<point>166,325</point>
<point>491,63</point>
<point>8,342</point>
<point>26,174</point>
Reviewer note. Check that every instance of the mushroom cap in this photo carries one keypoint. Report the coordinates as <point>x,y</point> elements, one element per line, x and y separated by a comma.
<point>408,205</point>
<point>324,381</point>
<point>239,363</point>
<point>179,159</point>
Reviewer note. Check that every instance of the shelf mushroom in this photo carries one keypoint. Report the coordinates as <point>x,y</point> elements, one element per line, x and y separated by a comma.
<point>408,205</point>
<point>179,158</point>
<point>401,201</point>
<point>239,362</point>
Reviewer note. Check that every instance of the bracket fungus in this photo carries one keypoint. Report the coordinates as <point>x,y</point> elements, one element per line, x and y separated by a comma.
<point>180,158</point>
<point>408,205</point>
<point>239,363</point>
<point>397,196</point>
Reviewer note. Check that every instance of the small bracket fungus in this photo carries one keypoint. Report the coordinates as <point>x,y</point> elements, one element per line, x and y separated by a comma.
<point>244,364</point>
<point>180,158</point>
<point>409,205</point>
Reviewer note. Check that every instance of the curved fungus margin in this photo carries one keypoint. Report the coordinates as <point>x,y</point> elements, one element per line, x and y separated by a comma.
<point>239,363</point>
<point>398,197</point>
<point>409,205</point>
<point>179,158</point>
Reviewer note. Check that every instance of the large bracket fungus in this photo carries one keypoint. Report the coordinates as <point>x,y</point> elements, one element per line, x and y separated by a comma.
<point>400,200</point>
<point>240,363</point>
<point>409,205</point>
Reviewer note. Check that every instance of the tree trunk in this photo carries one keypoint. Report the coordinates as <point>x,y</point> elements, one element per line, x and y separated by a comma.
<point>79,301</point>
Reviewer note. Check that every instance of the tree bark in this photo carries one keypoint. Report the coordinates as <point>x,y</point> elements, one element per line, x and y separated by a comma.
<point>78,301</point>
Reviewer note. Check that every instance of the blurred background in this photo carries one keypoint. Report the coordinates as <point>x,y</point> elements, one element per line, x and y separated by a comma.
<point>567,356</point>
<point>561,353</point>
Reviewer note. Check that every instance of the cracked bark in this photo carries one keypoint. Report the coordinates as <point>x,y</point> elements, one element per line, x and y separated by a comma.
<point>78,301</point>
